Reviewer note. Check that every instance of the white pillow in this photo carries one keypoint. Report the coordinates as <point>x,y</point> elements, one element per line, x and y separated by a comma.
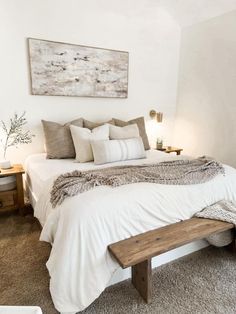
<point>116,150</point>
<point>82,138</point>
<point>119,133</point>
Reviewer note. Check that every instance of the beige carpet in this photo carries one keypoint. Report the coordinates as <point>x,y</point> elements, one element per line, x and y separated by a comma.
<point>204,282</point>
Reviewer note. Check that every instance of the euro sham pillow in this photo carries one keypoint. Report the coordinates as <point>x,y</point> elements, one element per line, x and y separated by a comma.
<point>82,138</point>
<point>141,125</point>
<point>117,150</point>
<point>91,125</point>
<point>125,132</point>
<point>58,140</point>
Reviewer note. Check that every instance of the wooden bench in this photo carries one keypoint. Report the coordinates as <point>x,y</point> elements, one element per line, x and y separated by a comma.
<point>137,251</point>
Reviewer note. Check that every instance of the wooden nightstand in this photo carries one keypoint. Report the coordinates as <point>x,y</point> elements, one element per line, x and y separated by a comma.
<point>168,149</point>
<point>13,199</point>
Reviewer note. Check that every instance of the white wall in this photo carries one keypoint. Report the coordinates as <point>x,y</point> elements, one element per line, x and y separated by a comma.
<point>149,34</point>
<point>206,108</point>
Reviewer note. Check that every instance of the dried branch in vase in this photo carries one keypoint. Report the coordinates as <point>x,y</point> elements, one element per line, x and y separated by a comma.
<point>14,134</point>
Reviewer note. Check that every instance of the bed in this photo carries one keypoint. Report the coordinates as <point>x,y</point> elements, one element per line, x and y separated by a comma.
<point>82,227</point>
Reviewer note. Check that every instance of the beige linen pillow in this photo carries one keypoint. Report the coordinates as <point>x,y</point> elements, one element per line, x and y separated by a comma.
<point>91,125</point>
<point>58,140</point>
<point>117,150</point>
<point>141,125</point>
<point>82,138</point>
<point>128,131</point>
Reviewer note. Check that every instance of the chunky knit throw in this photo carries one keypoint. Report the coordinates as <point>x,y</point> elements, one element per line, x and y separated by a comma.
<point>178,172</point>
<point>225,211</point>
<point>222,210</point>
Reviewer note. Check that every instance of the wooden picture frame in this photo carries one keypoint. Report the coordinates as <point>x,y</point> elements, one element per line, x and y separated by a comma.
<point>62,69</point>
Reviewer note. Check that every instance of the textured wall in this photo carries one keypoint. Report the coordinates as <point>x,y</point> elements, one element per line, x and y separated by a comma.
<point>206,106</point>
<point>150,35</point>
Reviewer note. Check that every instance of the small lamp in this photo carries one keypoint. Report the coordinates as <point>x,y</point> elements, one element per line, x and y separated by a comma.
<point>156,115</point>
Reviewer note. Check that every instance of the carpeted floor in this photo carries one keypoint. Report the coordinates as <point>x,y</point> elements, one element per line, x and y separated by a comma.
<point>203,282</point>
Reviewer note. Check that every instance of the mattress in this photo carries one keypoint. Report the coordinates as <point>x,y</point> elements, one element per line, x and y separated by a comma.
<point>39,169</point>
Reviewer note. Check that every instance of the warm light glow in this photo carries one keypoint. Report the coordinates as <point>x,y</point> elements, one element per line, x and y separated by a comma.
<point>154,130</point>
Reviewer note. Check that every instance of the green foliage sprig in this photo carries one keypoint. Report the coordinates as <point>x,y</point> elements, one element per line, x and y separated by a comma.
<point>15,133</point>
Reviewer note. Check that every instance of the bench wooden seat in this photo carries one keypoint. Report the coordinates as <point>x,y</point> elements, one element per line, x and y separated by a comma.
<point>137,251</point>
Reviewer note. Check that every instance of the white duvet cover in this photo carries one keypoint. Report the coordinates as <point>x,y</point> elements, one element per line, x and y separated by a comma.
<point>80,229</point>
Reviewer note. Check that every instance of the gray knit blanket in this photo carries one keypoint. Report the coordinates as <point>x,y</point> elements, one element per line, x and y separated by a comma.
<point>224,211</point>
<point>178,172</point>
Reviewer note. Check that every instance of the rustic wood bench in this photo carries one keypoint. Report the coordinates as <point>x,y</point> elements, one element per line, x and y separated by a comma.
<point>137,251</point>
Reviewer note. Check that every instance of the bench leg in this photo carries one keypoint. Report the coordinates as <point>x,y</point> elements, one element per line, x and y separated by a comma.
<point>142,279</point>
<point>232,245</point>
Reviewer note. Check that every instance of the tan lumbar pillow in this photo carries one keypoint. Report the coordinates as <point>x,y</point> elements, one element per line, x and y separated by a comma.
<point>82,138</point>
<point>117,150</point>
<point>141,125</point>
<point>125,132</point>
<point>58,140</point>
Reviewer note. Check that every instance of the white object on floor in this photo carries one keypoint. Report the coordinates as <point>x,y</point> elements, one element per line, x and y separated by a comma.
<point>20,310</point>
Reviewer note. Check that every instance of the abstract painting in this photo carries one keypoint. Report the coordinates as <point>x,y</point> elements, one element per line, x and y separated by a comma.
<point>74,70</point>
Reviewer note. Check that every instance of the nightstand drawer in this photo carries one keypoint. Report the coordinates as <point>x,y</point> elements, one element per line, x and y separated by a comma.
<point>12,198</point>
<point>8,200</point>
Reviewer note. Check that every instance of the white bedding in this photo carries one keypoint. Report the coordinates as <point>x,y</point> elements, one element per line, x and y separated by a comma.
<point>83,226</point>
<point>39,169</point>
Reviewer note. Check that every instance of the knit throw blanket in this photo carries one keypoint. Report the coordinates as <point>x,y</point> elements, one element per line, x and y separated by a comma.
<point>224,211</point>
<point>178,172</point>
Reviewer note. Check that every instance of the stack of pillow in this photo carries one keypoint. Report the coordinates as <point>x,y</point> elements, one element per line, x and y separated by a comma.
<point>115,140</point>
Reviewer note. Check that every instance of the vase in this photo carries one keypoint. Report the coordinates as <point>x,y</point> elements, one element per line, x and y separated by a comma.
<point>5,164</point>
<point>159,145</point>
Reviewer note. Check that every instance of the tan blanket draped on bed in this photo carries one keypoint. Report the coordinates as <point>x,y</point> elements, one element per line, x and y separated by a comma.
<point>178,172</point>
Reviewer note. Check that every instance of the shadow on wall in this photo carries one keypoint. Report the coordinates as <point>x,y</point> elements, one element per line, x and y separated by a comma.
<point>206,110</point>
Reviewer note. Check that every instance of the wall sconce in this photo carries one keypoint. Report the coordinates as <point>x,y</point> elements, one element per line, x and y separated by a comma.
<point>156,115</point>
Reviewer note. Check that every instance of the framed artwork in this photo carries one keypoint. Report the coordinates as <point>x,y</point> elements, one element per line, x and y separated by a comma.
<point>74,70</point>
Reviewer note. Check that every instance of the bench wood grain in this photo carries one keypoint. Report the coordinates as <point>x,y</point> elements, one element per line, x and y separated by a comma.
<point>137,251</point>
